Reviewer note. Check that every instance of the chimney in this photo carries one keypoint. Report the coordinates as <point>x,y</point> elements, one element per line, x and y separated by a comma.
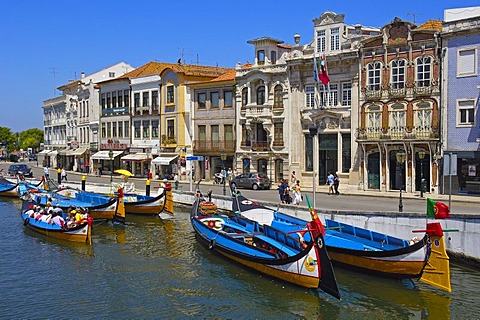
<point>82,75</point>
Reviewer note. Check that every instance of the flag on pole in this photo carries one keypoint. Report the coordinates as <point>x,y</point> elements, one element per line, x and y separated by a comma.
<point>322,71</point>
<point>315,70</point>
<point>437,210</point>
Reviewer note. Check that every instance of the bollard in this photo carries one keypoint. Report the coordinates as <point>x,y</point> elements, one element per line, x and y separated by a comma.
<point>83,182</point>
<point>147,188</point>
<point>59,176</point>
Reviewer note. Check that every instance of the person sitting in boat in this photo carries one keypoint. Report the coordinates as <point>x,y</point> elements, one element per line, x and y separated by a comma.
<point>57,211</point>
<point>58,220</point>
<point>71,222</point>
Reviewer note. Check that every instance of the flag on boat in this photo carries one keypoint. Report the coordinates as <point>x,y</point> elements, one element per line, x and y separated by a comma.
<point>322,71</point>
<point>437,210</point>
<point>315,70</point>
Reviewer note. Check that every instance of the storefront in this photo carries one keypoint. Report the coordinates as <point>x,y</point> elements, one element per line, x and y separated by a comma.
<point>165,166</point>
<point>103,164</point>
<point>467,180</point>
<point>137,163</point>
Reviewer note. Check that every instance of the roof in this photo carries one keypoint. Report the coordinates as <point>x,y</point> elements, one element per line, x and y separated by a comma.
<point>154,67</point>
<point>265,39</point>
<point>431,25</point>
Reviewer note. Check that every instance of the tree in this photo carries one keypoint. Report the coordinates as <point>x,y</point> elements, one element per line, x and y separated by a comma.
<point>31,138</point>
<point>7,138</point>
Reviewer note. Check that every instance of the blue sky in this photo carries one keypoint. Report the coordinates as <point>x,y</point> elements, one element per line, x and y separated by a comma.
<point>44,44</point>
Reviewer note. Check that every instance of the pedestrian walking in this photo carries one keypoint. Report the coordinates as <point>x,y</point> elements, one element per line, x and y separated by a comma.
<point>330,181</point>
<point>46,172</point>
<point>64,175</point>
<point>293,177</point>
<point>297,194</point>
<point>281,190</point>
<point>336,183</point>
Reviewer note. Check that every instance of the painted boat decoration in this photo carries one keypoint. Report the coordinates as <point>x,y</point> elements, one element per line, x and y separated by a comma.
<point>362,249</point>
<point>8,190</point>
<point>57,228</point>
<point>266,249</point>
<point>99,207</point>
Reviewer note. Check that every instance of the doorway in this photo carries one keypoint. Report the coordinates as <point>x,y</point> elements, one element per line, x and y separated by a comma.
<point>373,170</point>
<point>397,172</point>
<point>422,168</point>
<point>328,161</point>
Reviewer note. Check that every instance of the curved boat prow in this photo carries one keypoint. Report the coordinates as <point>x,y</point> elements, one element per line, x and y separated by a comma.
<point>437,269</point>
<point>168,199</point>
<point>120,212</point>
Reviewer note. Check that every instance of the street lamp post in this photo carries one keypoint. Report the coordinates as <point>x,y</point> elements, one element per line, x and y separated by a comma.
<point>223,156</point>
<point>401,157</point>
<point>313,134</point>
<point>110,155</point>
<point>421,156</point>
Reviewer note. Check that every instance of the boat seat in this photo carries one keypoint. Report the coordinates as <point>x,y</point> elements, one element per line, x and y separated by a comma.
<point>281,246</point>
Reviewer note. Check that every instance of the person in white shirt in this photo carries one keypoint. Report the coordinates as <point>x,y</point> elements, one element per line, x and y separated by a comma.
<point>46,172</point>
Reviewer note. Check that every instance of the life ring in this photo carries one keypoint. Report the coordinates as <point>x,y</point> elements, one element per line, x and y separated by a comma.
<point>212,244</point>
<point>320,242</point>
<point>303,244</point>
<point>26,221</point>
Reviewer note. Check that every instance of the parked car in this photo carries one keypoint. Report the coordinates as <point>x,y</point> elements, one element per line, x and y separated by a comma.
<point>32,157</point>
<point>23,169</point>
<point>253,180</point>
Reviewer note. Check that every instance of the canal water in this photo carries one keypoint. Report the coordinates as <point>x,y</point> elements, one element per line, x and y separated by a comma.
<point>154,268</point>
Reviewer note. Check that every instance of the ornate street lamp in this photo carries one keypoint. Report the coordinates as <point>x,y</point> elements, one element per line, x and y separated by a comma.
<point>401,157</point>
<point>110,155</point>
<point>421,156</point>
<point>223,156</point>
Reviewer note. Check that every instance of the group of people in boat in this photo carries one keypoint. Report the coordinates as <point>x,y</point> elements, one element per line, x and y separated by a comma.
<point>55,215</point>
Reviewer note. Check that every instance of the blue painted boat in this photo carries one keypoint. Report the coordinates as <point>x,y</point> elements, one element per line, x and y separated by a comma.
<point>8,190</point>
<point>362,249</point>
<point>265,248</point>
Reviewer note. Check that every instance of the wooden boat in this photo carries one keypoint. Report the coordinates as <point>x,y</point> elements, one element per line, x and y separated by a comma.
<point>99,206</point>
<point>134,203</point>
<point>266,249</point>
<point>8,190</point>
<point>79,233</point>
<point>362,249</point>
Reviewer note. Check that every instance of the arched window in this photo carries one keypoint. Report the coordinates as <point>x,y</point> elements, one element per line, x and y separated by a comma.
<point>398,74</point>
<point>424,71</point>
<point>244,97</point>
<point>373,121</point>
<point>397,121</point>
<point>423,119</point>
<point>374,76</point>
<point>261,95</point>
<point>278,97</point>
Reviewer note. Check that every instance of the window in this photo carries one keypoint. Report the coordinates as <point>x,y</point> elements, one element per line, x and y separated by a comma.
<point>333,95</point>
<point>155,100</point>
<point>228,132</point>
<point>423,118</point>
<point>273,57</point>
<point>202,136</point>
<point>170,94</point>
<point>323,93</point>
<point>146,128</point>
<point>261,95</point>
<point>120,99</point>
<point>346,93</point>
<point>120,129</point>
<point>335,39</point>
<point>126,126</point>
<point>321,41</point>
<point>397,119</point>
<point>228,98</point>
<point>201,97</point>
<point>111,74</point>
<point>373,121</point>
<point>155,129</point>
<point>145,99</point>
<point>104,130</point>
<point>424,65</point>
<point>109,129</point>
<point>171,129</point>
<point>309,96</point>
<point>114,129</point>
<point>244,97</point>
<point>308,153</point>
<point>214,99</point>
<point>114,99</point>
<point>346,152</point>
<point>108,101</point>
<point>374,78</point>
<point>278,133</point>
<point>136,129</point>
<point>215,136</point>
<point>278,97</point>
<point>261,56</point>
<point>465,113</point>
<point>245,136</point>
<point>126,98</point>
<point>398,74</point>
<point>467,63</point>
<point>136,100</point>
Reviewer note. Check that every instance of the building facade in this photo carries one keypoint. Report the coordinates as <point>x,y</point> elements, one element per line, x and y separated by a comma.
<point>461,88</point>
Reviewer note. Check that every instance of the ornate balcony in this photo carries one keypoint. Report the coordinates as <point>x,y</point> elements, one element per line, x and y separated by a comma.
<point>396,92</point>
<point>421,89</point>
<point>261,146</point>
<point>372,94</point>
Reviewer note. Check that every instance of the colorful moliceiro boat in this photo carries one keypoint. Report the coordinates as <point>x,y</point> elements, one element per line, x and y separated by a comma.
<point>8,189</point>
<point>47,226</point>
<point>265,248</point>
<point>363,249</point>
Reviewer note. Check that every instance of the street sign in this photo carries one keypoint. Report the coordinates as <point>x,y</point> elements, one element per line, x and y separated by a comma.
<point>450,164</point>
<point>194,158</point>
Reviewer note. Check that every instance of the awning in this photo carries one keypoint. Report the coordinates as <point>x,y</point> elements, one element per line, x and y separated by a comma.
<point>76,152</point>
<point>103,155</point>
<point>136,157</point>
<point>164,159</point>
<point>44,151</point>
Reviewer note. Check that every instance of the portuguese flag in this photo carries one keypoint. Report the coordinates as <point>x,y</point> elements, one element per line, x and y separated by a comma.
<point>437,210</point>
